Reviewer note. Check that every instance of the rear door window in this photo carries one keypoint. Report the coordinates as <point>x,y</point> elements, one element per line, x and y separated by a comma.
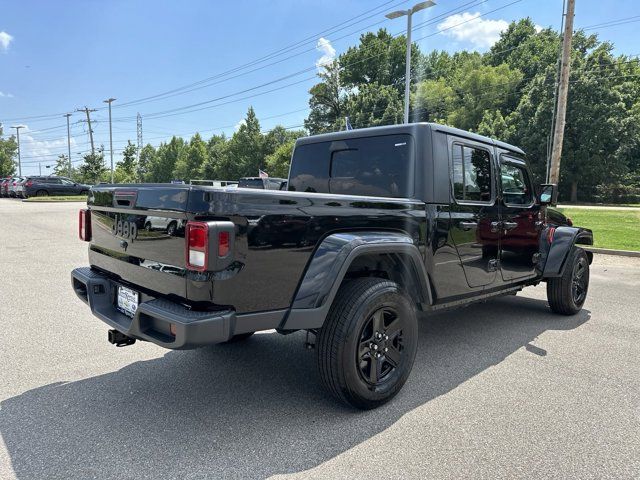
<point>471,174</point>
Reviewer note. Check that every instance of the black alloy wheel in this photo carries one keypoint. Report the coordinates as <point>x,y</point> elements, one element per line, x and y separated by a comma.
<point>568,292</point>
<point>580,281</point>
<point>381,346</point>
<point>367,345</point>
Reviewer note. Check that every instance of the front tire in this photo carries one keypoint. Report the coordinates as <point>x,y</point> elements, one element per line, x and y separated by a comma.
<point>367,345</point>
<point>567,293</point>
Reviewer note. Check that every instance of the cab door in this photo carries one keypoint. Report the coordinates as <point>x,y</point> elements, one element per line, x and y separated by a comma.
<point>519,219</point>
<point>474,211</point>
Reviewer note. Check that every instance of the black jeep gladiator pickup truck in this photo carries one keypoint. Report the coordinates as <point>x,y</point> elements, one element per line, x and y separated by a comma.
<point>376,228</point>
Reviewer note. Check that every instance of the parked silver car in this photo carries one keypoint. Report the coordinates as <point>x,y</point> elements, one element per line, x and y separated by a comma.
<point>13,186</point>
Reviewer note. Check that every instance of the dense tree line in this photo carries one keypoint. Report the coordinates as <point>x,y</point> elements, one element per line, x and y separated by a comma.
<point>219,157</point>
<point>506,93</point>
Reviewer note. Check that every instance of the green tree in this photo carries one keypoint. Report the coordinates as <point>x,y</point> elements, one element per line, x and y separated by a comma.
<point>163,163</point>
<point>433,101</point>
<point>147,158</point>
<point>127,169</point>
<point>191,159</point>
<point>8,153</point>
<point>245,150</point>
<point>216,156</point>
<point>374,105</point>
<point>93,170</point>
<point>277,163</point>
<point>378,59</point>
<point>524,48</point>
<point>494,125</point>
<point>480,89</point>
<point>326,102</point>
<point>61,167</point>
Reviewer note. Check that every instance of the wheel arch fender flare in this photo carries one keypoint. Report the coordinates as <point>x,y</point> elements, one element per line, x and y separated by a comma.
<point>556,244</point>
<point>330,263</point>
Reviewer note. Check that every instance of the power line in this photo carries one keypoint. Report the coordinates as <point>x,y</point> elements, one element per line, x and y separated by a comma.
<point>613,23</point>
<point>476,2</point>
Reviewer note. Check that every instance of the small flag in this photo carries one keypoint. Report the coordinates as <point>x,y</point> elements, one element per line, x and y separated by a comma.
<point>263,174</point>
<point>347,124</point>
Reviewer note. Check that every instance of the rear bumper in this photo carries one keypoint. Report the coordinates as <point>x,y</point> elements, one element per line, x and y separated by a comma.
<point>154,316</point>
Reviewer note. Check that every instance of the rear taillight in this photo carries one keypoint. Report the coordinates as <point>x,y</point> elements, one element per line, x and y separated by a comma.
<point>28,183</point>
<point>84,224</point>
<point>197,241</point>
<point>550,234</point>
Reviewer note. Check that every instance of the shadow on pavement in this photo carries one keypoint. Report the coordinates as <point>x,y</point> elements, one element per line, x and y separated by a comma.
<point>246,410</point>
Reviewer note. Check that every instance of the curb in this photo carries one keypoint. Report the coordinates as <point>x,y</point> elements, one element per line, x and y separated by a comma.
<point>606,251</point>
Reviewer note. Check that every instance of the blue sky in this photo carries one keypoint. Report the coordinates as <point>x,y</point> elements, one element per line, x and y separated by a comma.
<point>56,56</point>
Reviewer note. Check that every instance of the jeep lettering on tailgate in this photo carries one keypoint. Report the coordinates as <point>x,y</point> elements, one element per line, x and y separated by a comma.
<point>124,229</point>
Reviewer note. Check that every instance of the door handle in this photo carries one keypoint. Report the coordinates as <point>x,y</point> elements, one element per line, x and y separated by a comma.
<point>509,225</point>
<point>495,227</point>
<point>469,225</point>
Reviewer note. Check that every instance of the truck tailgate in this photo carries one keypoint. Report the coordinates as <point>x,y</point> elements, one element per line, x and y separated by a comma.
<point>138,235</point>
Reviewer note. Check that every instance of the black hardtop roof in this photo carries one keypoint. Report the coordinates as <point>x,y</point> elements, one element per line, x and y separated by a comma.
<point>411,128</point>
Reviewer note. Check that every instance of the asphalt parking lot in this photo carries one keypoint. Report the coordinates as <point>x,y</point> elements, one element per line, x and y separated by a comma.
<point>503,389</point>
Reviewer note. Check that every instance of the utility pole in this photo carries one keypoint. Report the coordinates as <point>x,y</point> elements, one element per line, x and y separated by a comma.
<point>563,90</point>
<point>139,132</point>
<point>109,100</point>
<point>69,142</point>
<point>88,111</point>
<point>407,83</point>
<point>552,127</point>
<point>18,127</point>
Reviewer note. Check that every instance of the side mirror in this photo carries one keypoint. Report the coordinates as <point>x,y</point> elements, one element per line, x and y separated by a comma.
<point>548,194</point>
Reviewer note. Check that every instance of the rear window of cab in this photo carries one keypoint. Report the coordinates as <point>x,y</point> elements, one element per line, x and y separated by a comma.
<point>369,166</point>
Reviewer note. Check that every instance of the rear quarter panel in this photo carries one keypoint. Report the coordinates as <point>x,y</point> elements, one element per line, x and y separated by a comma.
<point>277,233</point>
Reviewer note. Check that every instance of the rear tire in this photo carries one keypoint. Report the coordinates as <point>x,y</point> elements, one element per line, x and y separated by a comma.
<point>42,193</point>
<point>367,345</point>
<point>84,192</point>
<point>567,293</point>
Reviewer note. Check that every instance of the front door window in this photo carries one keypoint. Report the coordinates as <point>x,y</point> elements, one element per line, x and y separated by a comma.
<point>518,219</point>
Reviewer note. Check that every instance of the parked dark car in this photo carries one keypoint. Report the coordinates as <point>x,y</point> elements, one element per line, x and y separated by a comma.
<point>379,227</point>
<point>42,186</point>
<point>266,183</point>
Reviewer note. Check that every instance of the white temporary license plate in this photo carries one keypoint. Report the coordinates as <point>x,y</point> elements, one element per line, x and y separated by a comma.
<point>127,301</point>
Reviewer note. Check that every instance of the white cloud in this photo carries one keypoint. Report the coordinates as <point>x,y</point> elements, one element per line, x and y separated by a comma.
<point>239,124</point>
<point>328,53</point>
<point>5,40</point>
<point>479,32</point>
<point>538,28</point>
<point>31,147</point>
<point>8,95</point>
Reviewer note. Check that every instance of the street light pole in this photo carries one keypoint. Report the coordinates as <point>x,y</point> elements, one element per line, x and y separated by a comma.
<point>18,127</point>
<point>407,83</point>
<point>69,142</point>
<point>109,100</point>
